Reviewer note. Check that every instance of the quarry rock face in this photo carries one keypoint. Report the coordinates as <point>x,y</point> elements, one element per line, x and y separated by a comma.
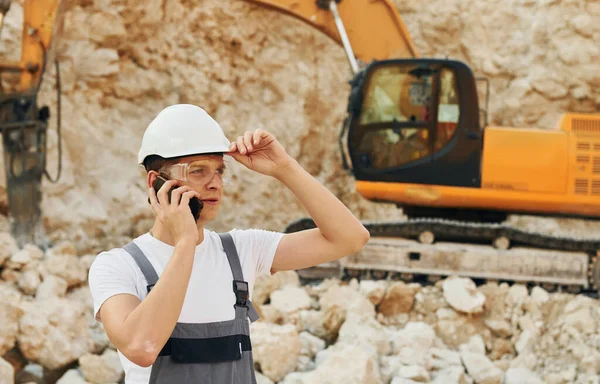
<point>251,67</point>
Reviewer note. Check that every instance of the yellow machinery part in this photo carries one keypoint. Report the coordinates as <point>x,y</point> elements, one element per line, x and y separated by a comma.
<point>375,29</point>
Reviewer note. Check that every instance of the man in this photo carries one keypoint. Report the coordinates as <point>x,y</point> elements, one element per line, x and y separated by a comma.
<point>191,325</point>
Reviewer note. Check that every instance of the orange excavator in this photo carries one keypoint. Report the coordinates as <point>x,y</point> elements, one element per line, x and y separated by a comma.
<point>416,136</point>
<point>22,122</point>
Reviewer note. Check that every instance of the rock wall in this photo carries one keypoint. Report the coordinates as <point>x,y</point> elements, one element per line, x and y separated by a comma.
<point>251,68</point>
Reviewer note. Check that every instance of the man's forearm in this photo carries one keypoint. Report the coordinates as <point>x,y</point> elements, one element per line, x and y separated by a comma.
<point>335,221</point>
<point>151,323</point>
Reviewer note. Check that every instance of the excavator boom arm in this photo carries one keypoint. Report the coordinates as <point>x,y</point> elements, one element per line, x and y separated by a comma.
<point>374,28</point>
<point>42,23</point>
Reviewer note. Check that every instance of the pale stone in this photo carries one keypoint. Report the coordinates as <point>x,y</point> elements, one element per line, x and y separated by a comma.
<point>399,298</point>
<point>452,375</point>
<point>521,376</point>
<point>7,372</point>
<point>348,300</point>
<point>517,294</point>
<point>11,312</point>
<point>389,366</point>
<point>262,379</point>
<point>414,372</point>
<point>501,328</point>
<point>67,267</point>
<point>91,62</point>
<point>526,341</point>
<point>374,290</point>
<point>412,344</point>
<point>332,320</point>
<point>475,345</point>
<point>105,368</point>
<point>311,345</point>
<point>582,320</point>
<point>51,287</point>
<point>29,281</point>
<point>265,285</point>
<point>8,247</point>
<point>341,364</point>
<point>414,334</point>
<point>106,26</point>
<point>446,314</point>
<point>55,332</point>
<point>462,295</point>
<point>275,348</point>
<point>402,380</point>
<point>526,360</point>
<point>442,358</point>
<point>290,299</point>
<point>26,255</point>
<point>481,369</point>
<point>270,314</point>
<point>539,295</point>
<point>500,348</point>
<point>72,376</point>
<point>304,364</point>
<point>553,378</point>
<point>364,330</point>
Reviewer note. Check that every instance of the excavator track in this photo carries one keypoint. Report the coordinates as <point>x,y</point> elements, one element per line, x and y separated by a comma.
<point>482,251</point>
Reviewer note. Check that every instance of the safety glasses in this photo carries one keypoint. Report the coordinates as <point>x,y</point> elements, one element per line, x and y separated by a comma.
<point>199,172</point>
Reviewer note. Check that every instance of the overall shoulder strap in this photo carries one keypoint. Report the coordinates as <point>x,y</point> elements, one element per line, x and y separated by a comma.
<point>143,264</point>
<point>240,287</point>
<point>232,256</point>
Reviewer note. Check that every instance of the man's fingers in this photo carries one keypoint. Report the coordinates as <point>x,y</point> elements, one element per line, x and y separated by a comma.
<point>240,158</point>
<point>241,147</point>
<point>153,201</point>
<point>187,196</point>
<point>176,194</point>
<point>257,136</point>
<point>261,136</point>
<point>248,140</point>
<point>162,192</point>
<point>233,147</point>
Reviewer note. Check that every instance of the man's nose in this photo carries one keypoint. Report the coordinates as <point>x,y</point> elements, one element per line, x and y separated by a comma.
<point>215,182</point>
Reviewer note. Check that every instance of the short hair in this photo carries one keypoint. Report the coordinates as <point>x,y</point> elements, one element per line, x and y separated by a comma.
<point>156,162</point>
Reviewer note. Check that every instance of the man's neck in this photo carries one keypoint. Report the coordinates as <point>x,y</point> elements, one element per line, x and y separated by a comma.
<point>159,232</point>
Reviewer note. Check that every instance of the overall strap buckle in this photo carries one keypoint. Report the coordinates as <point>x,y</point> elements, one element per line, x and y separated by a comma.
<point>240,288</point>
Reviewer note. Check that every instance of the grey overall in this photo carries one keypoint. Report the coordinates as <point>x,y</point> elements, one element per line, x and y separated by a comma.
<point>211,353</point>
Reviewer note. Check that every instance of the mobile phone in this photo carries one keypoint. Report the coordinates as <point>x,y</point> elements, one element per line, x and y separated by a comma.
<point>196,204</point>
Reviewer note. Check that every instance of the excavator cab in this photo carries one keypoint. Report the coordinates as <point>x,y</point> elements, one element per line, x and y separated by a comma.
<point>414,121</point>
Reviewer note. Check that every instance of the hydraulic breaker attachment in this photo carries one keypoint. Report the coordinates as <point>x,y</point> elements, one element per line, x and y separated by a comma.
<point>23,128</point>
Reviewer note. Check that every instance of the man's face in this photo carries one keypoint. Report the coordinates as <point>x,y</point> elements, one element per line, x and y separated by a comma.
<point>205,174</point>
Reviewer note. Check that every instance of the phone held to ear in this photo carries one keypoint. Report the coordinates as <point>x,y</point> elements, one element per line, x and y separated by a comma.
<point>196,204</point>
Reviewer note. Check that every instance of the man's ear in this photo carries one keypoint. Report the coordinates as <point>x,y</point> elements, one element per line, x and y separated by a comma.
<point>151,178</point>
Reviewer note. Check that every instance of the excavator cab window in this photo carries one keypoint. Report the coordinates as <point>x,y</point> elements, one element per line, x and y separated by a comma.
<point>396,94</point>
<point>393,126</point>
<point>414,121</point>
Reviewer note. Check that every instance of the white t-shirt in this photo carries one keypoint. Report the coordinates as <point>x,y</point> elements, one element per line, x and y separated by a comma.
<point>209,295</point>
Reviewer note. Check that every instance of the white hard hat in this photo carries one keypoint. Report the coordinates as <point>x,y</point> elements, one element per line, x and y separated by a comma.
<point>182,130</point>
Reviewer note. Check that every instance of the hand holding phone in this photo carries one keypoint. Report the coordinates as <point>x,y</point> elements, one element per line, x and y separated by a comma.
<point>196,204</point>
